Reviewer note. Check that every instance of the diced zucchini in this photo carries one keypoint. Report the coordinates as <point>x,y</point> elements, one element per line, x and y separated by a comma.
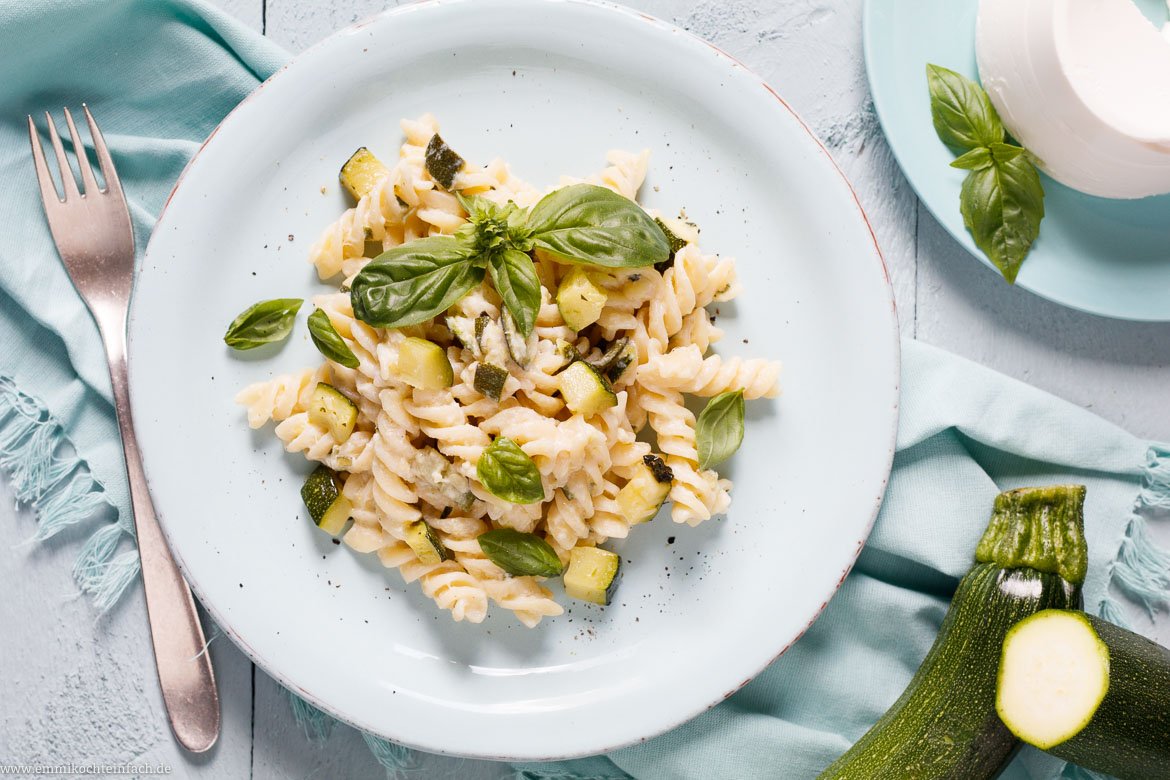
<point>585,391</point>
<point>432,470</point>
<point>490,338</point>
<point>579,299</point>
<point>645,493</point>
<point>489,380</point>
<point>618,360</point>
<point>568,351</point>
<point>593,574</point>
<point>515,342</point>
<point>425,543</point>
<point>442,162</point>
<point>612,353</point>
<point>623,367</point>
<point>676,242</point>
<point>361,173</point>
<point>463,329</point>
<point>424,364</point>
<point>331,410</point>
<point>322,496</point>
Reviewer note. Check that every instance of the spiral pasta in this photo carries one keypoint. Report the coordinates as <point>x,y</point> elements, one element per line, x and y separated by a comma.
<point>405,445</point>
<point>685,369</point>
<point>280,397</point>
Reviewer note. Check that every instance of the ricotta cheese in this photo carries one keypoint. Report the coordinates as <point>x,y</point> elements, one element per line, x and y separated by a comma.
<point>1085,86</point>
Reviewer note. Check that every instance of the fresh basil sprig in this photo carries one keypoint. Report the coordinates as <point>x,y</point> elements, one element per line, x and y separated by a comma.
<point>328,341</point>
<point>508,473</point>
<point>263,323</point>
<point>1002,199</point>
<point>582,223</point>
<point>719,430</point>
<point>520,554</point>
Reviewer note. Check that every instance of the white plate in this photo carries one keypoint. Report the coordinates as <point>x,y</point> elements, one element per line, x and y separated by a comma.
<point>549,86</point>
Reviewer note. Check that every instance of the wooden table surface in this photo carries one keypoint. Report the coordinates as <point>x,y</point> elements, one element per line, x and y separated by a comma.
<point>77,689</point>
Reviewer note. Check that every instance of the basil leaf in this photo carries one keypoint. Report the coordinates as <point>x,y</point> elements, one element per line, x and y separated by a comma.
<point>411,283</point>
<point>974,160</point>
<point>442,162</point>
<point>520,554</point>
<point>508,473</point>
<point>328,341</point>
<point>962,112</point>
<point>1002,205</point>
<point>514,277</point>
<point>719,431</point>
<point>263,323</point>
<point>587,224</point>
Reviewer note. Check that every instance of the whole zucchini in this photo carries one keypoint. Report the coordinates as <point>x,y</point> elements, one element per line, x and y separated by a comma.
<point>944,726</point>
<point>1089,692</point>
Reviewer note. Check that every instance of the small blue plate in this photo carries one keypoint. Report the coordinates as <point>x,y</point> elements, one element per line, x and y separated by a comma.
<point>1106,257</point>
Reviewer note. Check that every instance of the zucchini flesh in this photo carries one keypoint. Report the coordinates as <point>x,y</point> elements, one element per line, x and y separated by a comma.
<point>593,574</point>
<point>585,391</point>
<point>439,482</point>
<point>515,342</point>
<point>1088,692</point>
<point>330,409</point>
<point>361,173</point>
<point>944,726</point>
<point>640,499</point>
<point>425,543</point>
<point>579,299</point>
<point>322,496</point>
<point>463,329</point>
<point>424,364</point>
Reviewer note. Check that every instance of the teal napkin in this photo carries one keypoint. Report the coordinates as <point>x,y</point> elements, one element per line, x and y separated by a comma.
<point>160,74</point>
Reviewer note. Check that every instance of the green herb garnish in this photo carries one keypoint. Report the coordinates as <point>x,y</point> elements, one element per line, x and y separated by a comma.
<point>520,554</point>
<point>1002,200</point>
<point>329,342</point>
<point>719,431</point>
<point>508,473</point>
<point>263,323</point>
<point>582,224</point>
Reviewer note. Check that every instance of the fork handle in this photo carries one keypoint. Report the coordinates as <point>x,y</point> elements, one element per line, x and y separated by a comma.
<point>184,667</point>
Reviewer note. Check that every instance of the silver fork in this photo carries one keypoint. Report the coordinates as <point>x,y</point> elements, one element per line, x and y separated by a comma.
<point>95,239</point>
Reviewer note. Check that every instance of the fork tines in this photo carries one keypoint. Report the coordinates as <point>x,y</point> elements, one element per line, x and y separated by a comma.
<point>69,183</point>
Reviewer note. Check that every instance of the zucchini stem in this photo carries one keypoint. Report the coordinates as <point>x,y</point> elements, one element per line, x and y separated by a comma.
<point>1038,528</point>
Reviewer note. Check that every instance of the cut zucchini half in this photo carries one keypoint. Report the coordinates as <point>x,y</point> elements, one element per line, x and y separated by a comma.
<point>1088,692</point>
<point>585,391</point>
<point>432,470</point>
<point>424,364</point>
<point>515,342</point>
<point>593,574</point>
<point>463,329</point>
<point>425,543</point>
<point>361,173</point>
<point>322,496</point>
<point>641,498</point>
<point>489,380</point>
<point>331,410</point>
<point>579,299</point>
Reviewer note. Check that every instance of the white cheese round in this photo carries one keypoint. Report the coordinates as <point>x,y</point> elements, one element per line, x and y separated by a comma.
<point>1085,86</point>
